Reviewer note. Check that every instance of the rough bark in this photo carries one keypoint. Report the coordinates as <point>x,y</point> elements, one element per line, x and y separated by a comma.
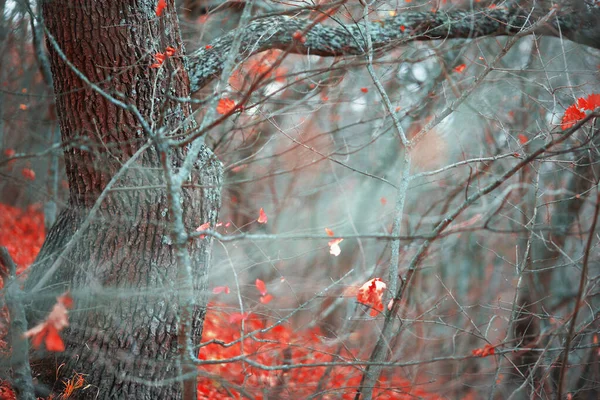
<point>121,268</point>
<point>580,25</point>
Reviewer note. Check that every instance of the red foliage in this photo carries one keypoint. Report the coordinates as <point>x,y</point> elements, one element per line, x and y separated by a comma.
<point>22,233</point>
<point>281,346</point>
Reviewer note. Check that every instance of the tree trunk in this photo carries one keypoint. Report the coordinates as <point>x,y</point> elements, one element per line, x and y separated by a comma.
<point>121,267</point>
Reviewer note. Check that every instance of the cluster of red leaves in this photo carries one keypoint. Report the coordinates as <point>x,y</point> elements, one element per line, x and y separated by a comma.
<point>282,345</point>
<point>485,351</point>
<point>22,233</point>
<point>575,112</point>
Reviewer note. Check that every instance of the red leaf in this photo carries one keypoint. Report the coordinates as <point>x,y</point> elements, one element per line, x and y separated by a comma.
<point>9,153</point>
<point>225,106</point>
<point>170,51</point>
<point>266,299</point>
<point>383,201</point>
<point>522,138</point>
<point>160,7</point>
<point>572,115</point>
<point>28,174</point>
<point>487,350</point>
<point>260,285</point>
<point>460,68</point>
<point>53,340</point>
<point>203,227</point>
<point>364,90</point>
<point>299,37</point>
<point>262,217</point>
<point>221,289</point>
<point>329,232</point>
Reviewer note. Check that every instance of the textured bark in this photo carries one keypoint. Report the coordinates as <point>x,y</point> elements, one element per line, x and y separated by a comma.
<point>277,32</point>
<point>122,268</point>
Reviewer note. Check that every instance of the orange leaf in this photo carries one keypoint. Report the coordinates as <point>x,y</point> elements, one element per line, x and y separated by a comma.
<point>260,285</point>
<point>162,4</point>
<point>329,232</point>
<point>266,299</point>
<point>262,217</point>
<point>225,106</point>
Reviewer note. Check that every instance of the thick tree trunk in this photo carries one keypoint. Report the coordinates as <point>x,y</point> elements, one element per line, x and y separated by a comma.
<point>121,268</point>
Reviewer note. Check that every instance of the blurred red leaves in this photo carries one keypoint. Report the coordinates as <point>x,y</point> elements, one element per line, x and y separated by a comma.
<point>22,233</point>
<point>225,106</point>
<point>487,350</point>
<point>221,289</point>
<point>460,68</point>
<point>28,174</point>
<point>261,286</point>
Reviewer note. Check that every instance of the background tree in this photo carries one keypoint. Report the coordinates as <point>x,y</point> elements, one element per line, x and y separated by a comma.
<point>444,158</point>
